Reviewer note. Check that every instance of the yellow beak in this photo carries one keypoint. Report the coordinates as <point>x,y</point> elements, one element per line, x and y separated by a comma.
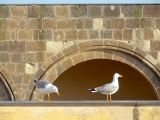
<point>120,76</point>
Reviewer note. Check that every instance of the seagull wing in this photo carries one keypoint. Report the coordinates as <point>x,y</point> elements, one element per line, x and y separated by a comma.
<point>107,88</point>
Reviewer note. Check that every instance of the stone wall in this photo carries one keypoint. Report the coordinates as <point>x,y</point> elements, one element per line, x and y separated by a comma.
<point>31,34</point>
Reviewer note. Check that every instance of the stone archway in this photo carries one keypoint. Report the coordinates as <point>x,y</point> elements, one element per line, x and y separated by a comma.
<point>6,87</point>
<point>101,49</point>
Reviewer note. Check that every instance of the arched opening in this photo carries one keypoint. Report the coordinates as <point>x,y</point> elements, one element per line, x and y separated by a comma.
<point>4,94</point>
<point>74,82</point>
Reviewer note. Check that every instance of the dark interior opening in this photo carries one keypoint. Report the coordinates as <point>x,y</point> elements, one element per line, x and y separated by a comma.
<point>74,82</point>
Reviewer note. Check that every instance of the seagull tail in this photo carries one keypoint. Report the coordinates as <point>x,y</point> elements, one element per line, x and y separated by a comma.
<point>92,90</point>
<point>34,82</point>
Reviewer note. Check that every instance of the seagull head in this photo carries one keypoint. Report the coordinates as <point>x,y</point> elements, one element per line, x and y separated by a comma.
<point>116,75</point>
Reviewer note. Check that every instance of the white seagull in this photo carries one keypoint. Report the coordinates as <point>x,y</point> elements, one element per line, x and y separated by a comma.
<point>45,88</point>
<point>108,89</point>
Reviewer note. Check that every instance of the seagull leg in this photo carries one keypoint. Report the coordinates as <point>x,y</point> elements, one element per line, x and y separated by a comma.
<point>49,98</point>
<point>110,98</point>
<point>42,98</point>
<point>107,97</point>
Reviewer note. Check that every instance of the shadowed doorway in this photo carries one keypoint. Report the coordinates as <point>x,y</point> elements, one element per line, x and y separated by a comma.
<point>74,82</point>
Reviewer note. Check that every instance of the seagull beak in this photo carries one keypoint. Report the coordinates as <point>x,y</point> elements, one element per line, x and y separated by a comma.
<point>58,93</point>
<point>120,76</point>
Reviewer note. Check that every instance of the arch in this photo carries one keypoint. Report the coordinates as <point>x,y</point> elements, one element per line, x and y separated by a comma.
<point>101,49</point>
<point>4,76</point>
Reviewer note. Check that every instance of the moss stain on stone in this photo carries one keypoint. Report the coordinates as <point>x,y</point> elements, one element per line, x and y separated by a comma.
<point>2,22</point>
<point>135,113</point>
<point>137,11</point>
<point>40,12</point>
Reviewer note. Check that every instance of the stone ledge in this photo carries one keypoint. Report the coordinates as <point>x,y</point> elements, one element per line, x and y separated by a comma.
<point>82,103</point>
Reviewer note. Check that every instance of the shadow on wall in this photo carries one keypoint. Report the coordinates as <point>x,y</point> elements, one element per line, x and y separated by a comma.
<point>4,94</point>
<point>74,82</point>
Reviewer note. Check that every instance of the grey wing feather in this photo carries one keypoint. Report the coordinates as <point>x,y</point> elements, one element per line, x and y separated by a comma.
<point>107,88</point>
<point>41,84</point>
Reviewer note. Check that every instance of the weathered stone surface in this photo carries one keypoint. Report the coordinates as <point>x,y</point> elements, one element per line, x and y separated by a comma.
<point>151,10</point>
<point>45,34</point>
<point>31,68</point>
<point>58,35</point>
<point>127,34</point>
<point>155,46</point>
<point>4,11</point>
<point>47,11</point>
<point>70,34</point>
<point>36,46</point>
<point>39,57</point>
<point>94,34</point>
<point>79,11</point>
<point>117,34</point>
<point>33,11</point>
<point>132,10</point>
<point>66,24</point>
<point>148,34</point>
<point>3,46</point>
<point>106,34</point>
<point>16,57</point>
<point>11,23</point>
<point>80,23</point>
<point>4,57</point>
<point>49,23</point>
<point>82,35</point>
<point>34,23</point>
<point>62,11</point>
<point>95,11</point>
<point>97,23</point>
<point>132,23</point>
<point>22,34</point>
<point>54,46</point>
<point>157,23</point>
<point>107,23</point>
<point>111,11</point>
<point>88,23</point>
<point>15,46</point>
<point>117,23</point>
<point>18,11</point>
<point>146,23</point>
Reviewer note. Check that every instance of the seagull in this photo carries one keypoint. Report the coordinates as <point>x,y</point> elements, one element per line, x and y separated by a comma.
<point>45,88</point>
<point>108,89</point>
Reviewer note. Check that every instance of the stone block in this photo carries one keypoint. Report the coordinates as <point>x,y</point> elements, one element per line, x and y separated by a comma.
<point>117,34</point>
<point>29,57</point>
<point>137,34</point>
<point>23,24</point>
<point>49,23</point>
<point>18,11</point>
<point>45,34</point>
<point>151,10</point>
<point>2,23</point>
<point>97,23</point>
<point>11,23</point>
<point>3,46</point>
<point>79,23</point>
<point>67,63</point>
<point>79,11</point>
<point>36,46</point>
<point>156,34</point>
<point>39,57</point>
<point>70,35</point>
<point>11,67</point>
<point>4,57</point>
<point>66,24</point>
<point>31,68</point>
<point>94,10</point>
<point>107,23</point>
<point>35,34</point>
<point>34,23</point>
<point>54,46</point>
<point>142,44</point>
<point>148,34</point>
<point>117,23</point>
<point>132,23</point>
<point>33,11</point>
<point>4,11</point>
<point>78,58</point>
<point>16,57</point>
<point>58,70</point>
<point>22,34</point>
<point>47,11</point>
<point>157,23</point>
<point>155,45</point>
<point>93,34</point>
<point>16,47</point>
<point>20,68</point>
<point>88,23</point>
<point>131,10</point>
<point>111,11</point>
<point>127,34</point>
<point>62,11</point>
<point>82,35</point>
<point>147,23</point>
<point>58,35</point>
<point>106,34</point>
